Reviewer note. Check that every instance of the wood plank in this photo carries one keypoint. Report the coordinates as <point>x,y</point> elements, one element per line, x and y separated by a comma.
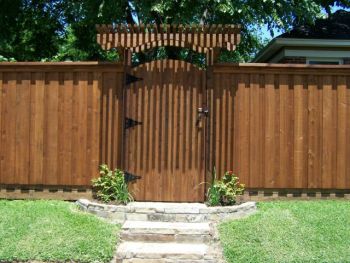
<point>243,97</point>
<point>119,123</point>
<point>342,111</point>
<point>37,128</point>
<point>314,133</point>
<point>218,90</point>
<point>22,119</point>
<point>270,141</point>
<point>163,146</point>
<point>180,128</point>
<point>89,128</point>
<point>1,149</point>
<point>75,135</point>
<point>300,134</point>
<point>65,124</point>
<point>81,149</point>
<point>51,130</point>
<point>8,139</point>
<point>172,122</point>
<point>157,155</point>
<point>347,182</point>
<point>103,129</point>
<point>255,144</point>
<point>286,126</point>
<point>329,122</point>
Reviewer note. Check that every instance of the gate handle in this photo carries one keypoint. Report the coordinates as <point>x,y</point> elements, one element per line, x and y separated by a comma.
<point>201,112</point>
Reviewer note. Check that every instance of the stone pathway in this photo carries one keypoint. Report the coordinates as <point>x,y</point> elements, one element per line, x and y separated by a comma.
<point>168,232</point>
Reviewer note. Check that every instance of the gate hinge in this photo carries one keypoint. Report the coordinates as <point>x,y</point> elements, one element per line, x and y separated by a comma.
<point>129,123</point>
<point>131,79</point>
<point>129,177</point>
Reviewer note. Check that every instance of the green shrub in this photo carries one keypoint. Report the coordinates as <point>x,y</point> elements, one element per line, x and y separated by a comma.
<point>111,186</point>
<point>224,191</point>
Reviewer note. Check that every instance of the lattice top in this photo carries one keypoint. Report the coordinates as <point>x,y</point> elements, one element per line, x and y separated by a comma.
<point>200,38</point>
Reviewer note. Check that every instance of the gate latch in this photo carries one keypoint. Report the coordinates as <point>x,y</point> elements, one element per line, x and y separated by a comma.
<point>202,112</point>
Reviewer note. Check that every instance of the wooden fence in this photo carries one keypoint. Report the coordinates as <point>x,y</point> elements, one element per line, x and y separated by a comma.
<point>58,122</point>
<point>282,126</point>
<point>276,126</point>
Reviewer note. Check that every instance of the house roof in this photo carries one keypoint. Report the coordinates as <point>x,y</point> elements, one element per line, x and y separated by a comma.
<point>333,32</point>
<point>336,26</point>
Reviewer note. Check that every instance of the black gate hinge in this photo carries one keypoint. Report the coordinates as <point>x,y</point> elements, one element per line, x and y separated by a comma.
<point>131,79</point>
<point>129,123</point>
<point>129,177</point>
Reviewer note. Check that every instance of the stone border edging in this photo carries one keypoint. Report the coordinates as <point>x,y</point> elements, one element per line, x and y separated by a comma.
<point>161,212</point>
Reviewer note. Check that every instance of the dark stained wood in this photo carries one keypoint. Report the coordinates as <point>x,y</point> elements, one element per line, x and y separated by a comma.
<point>197,37</point>
<point>8,129</point>
<point>167,149</point>
<point>292,125</point>
<point>208,39</point>
<point>50,119</point>
<point>276,126</point>
<point>314,132</point>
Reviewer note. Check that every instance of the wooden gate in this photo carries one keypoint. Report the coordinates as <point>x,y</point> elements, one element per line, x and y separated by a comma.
<point>164,131</point>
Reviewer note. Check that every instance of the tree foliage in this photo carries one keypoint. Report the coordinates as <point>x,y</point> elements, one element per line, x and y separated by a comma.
<point>65,30</point>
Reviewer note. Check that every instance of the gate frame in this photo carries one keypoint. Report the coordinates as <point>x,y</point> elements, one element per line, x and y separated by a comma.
<point>205,39</point>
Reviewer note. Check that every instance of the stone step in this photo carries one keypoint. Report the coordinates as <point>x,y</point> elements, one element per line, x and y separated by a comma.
<point>163,252</point>
<point>167,260</point>
<point>167,217</point>
<point>166,212</point>
<point>147,231</point>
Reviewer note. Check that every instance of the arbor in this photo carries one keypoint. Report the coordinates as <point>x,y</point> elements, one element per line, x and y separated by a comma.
<point>60,30</point>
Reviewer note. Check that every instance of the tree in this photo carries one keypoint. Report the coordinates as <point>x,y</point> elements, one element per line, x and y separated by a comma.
<point>60,30</point>
<point>30,30</point>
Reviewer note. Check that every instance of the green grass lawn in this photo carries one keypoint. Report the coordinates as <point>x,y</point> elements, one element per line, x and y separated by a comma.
<point>290,231</point>
<point>53,231</point>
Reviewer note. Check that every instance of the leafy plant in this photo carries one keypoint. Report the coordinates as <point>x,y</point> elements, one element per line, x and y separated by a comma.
<point>224,191</point>
<point>111,186</point>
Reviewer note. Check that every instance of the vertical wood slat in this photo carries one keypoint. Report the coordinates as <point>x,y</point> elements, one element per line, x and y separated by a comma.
<point>297,122</point>
<point>168,97</point>
<point>22,128</point>
<point>51,129</point>
<point>50,122</point>
<point>300,133</point>
<point>255,144</point>
<point>347,143</point>
<point>329,141</point>
<point>1,89</point>
<point>314,132</point>
<point>341,130</point>
<point>37,128</point>
<point>301,125</point>
<point>65,123</point>
<point>270,141</point>
<point>8,128</point>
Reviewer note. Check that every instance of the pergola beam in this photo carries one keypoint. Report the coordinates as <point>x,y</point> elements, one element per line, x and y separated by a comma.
<point>200,38</point>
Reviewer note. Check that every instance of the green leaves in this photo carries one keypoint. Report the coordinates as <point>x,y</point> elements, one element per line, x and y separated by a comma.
<point>224,191</point>
<point>111,186</point>
<point>65,30</point>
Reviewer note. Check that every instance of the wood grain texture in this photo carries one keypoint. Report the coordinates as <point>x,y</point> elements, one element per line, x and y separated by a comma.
<point>166,148</point>
<point>276,126</point>
<point>50,118</point>
<point>292,125</point>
